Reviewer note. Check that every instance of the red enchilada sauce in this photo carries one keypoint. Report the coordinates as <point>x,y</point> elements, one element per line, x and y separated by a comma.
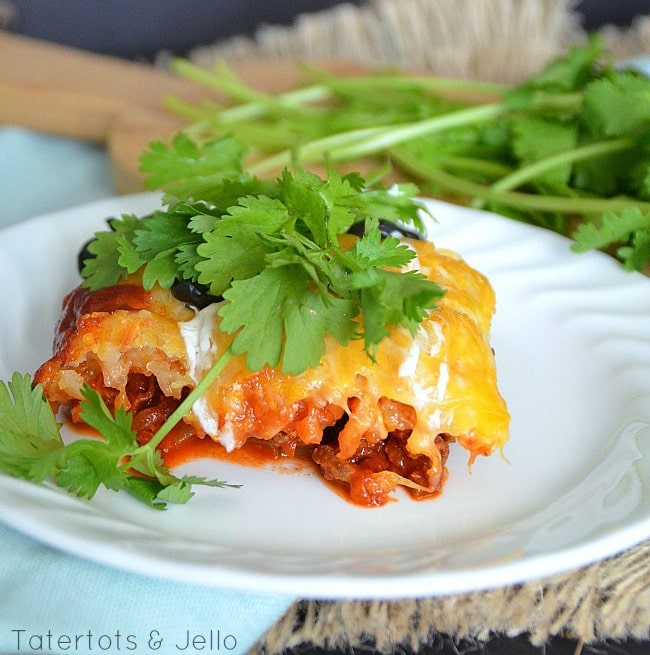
<point>353,478</point>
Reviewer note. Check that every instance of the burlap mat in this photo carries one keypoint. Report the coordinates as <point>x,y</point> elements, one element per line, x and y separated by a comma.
<point>499,40</point>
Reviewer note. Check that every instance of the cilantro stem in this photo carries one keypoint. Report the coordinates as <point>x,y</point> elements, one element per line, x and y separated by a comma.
<point>544,101</point>
<point>225,82</point>
<point>396,134</point>
<point>282,101</point>
<point>186,109</point>
<point>541,166</point>
<point>475,165</point>
<point>443,179</point>
<point>366,141</point>
<point>313,150</point>
<point>185,406</point>
<point>258,103</point>
<point>432,83</point>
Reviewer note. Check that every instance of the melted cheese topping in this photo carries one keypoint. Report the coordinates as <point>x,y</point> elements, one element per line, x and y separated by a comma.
<point>446,372</point>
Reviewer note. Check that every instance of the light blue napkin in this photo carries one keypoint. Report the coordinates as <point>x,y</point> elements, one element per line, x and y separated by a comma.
<point>40,173</point>
<point>49,596</point>
<point>639,64</point>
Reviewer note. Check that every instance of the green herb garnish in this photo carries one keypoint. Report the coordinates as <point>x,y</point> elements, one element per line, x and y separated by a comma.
<point>31,447</point>
<point>568,147</point>
<point>274,256</point>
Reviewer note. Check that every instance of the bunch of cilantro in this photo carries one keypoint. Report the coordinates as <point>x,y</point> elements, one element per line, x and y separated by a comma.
<point>568,149</point>
<point>272,250</point>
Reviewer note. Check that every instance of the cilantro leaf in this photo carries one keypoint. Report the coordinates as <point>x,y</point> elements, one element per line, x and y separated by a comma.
<point>326,207</point>
<point>306,204</point>
<point>163,230</point>
<point>636,256</point>
<point>561,77</point>
<point>237,253</point>
<point>189,171</point>
<point>617,105</point>
<point>178,492</point>
<point>397,205</point>
<point>29,432</point>
<point>628,230</point>
<point>263,212</point>
<point>148,491</point>
<point>534,138</point>
<point>261,296</point>
<point>162,270</point>
<point>111,258</point>
<point>31,447</point>
<point>613,228</point>
<point>283,305</point>
<point>571,72</point>
<point>381,252</point>
<point>391,298</point>
<point>187,261</point>
<point>129,259</point>
<point>85,465</point>
<point>117,427</point>
<point>306,323</point>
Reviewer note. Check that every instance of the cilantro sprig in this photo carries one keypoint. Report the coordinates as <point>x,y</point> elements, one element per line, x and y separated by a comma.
<point>274,256</point>
<point>31,447</point>
<point>569,147</point>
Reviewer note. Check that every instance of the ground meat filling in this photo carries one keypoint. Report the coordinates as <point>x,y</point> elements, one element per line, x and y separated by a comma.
<point>358,475</point>
<point>362,475</point>
<point>362,478</point>
<point>151,408</point>
<point>148,405</point>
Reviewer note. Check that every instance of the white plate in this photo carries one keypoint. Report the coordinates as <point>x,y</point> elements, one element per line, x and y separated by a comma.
<point>572,339</point>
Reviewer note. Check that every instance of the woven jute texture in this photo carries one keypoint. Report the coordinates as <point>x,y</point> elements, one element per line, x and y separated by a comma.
<point>607,600</point>
<point>498,40</point>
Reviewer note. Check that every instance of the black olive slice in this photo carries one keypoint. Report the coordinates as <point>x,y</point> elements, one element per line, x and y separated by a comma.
<point>387,229</point>
<point>193,293</point>
<point>84,254</point>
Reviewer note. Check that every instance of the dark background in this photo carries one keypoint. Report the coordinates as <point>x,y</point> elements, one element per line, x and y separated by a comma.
<point>138,29</point>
